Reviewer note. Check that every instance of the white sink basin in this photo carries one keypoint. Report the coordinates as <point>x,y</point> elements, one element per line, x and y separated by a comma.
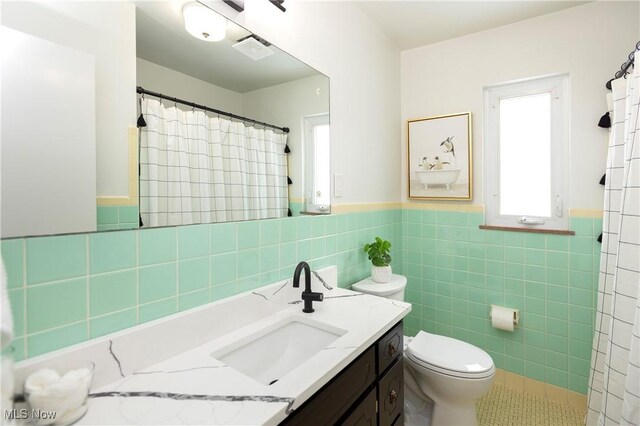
<point>271,353</point>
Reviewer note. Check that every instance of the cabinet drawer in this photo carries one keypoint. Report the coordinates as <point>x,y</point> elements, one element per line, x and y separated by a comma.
<point>363,414</point>
<point>331,402</point>
<point>389,347</point>
<point>391,394</point>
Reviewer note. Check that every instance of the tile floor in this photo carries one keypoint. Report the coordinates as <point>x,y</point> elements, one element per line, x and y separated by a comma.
<point>507,407</point>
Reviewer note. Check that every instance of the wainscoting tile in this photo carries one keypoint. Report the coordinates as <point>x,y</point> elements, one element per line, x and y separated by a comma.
<point>53,305</point>
<point>56,258</point>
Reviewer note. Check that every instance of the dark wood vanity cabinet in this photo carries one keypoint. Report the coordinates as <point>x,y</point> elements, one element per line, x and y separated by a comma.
<point>368,392</point>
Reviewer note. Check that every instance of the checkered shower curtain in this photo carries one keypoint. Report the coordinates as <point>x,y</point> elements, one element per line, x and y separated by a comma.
<point>200,169</point>
<point>614,383</point>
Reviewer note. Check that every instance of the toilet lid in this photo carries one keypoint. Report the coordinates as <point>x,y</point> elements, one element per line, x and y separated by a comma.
<point>368,286</point>
<point>449,355</point>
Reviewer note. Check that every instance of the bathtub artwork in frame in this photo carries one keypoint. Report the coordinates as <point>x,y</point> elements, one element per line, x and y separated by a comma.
<point>440,157</point>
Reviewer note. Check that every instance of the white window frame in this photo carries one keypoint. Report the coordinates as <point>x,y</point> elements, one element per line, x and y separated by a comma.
<point>559,87</point>
<point>309,184</point>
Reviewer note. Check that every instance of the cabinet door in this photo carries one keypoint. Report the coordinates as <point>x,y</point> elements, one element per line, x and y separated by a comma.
<point>389,348</point>
<point>364,414</point>
<point>391,394</point>
<point>331,402</point>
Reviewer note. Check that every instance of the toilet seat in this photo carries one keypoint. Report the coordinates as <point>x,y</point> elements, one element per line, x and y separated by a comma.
<point>449,356</point>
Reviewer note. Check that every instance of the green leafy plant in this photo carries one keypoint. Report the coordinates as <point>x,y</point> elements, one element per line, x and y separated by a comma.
<point>378,252</point>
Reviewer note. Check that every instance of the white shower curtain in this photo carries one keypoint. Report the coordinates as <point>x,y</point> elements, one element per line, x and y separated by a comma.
<point>199,169</point>
<point>614,383</point>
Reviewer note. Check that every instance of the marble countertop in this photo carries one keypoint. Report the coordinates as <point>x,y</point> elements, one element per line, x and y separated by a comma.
<point>187,385</point>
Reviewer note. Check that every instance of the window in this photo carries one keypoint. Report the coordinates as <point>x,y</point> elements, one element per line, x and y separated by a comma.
<point>526,153</point>
<point>317,185</point>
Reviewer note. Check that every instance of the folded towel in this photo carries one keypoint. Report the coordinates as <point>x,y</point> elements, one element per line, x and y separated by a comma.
<point>66,395</point>
<point>6,319</point>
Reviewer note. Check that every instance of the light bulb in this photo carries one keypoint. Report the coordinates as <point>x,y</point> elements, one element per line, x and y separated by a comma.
<point>203,23</point>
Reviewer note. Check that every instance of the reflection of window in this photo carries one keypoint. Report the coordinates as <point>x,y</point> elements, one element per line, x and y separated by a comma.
<point>526,152</point>
<point>317,163</point>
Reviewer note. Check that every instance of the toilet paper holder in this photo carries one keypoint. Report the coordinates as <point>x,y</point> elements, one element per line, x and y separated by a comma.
<point>515,313</point>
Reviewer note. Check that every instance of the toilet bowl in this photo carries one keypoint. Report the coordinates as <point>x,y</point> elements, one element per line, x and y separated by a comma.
<point>443,376</point>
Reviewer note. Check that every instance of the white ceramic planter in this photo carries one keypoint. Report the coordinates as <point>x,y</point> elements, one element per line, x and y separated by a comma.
<point>381,274</point>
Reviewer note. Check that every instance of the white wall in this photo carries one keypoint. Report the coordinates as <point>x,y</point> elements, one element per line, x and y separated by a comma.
<point>173,83</point>
<point>286,105</point>
<point>589,42</point>
<point>339,40</point>
<point>105,30</point>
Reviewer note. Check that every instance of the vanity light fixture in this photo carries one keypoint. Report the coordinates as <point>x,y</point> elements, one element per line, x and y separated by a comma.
<point>203,23</point>
<point>238,5</point>
<point>278,4</point>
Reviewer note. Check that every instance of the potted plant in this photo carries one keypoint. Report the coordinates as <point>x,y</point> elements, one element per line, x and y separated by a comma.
<point>378,252</point>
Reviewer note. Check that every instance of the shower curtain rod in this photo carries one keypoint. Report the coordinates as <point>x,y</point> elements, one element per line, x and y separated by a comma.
<point>142,91</point>
<point>625,66</point>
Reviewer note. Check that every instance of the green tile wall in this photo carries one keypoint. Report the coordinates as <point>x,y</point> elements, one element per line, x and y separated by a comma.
<point>67,289</point>
<point>456,271</point>
<point>112,218</point>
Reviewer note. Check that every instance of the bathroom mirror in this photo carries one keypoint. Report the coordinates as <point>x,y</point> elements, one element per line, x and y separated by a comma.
<point>122,46</point>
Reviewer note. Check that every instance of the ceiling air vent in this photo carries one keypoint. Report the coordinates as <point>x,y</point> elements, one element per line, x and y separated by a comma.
<point>254,47</point>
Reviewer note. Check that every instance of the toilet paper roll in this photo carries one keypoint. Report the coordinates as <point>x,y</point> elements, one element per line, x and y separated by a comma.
<point>503,318</point>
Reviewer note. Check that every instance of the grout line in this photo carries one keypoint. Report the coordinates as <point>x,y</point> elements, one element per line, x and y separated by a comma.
<point>209,281</point>
<point>25,345</point>
<point>24,263</point>
<point>58,327</point>
<point>117,311</point>
<point>177,263</point>
<point>87,283</point>
<point>25,298</point>
<point>137,277</point>
<point>77,277</point>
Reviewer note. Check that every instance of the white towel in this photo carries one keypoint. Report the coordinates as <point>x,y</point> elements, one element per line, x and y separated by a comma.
<point>6,319</point>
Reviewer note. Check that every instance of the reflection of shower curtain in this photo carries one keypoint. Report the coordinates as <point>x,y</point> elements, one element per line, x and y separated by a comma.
<point>614,385</point>
<point>199,169</point>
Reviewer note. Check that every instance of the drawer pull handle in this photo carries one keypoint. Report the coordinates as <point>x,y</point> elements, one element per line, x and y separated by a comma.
<point>393,396</point>
<point>393,348</point>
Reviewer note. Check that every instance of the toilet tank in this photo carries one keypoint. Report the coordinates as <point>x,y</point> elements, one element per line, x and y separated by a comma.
<point>394,289</point>
<point>398,295</point>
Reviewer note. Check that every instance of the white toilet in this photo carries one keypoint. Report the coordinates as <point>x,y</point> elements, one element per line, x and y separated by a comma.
<point>443,376</point>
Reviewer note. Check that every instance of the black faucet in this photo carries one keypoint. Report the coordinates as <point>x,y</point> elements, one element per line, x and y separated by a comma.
<point>308,296</point>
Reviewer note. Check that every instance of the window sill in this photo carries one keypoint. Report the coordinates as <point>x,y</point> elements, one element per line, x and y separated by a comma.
<point>529,230</point>
<point>314,213</point>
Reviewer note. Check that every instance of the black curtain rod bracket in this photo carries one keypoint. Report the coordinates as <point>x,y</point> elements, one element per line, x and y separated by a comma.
<point>143,91</point>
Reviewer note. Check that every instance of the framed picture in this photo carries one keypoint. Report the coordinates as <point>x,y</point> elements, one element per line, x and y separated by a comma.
<point>439,156</point>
